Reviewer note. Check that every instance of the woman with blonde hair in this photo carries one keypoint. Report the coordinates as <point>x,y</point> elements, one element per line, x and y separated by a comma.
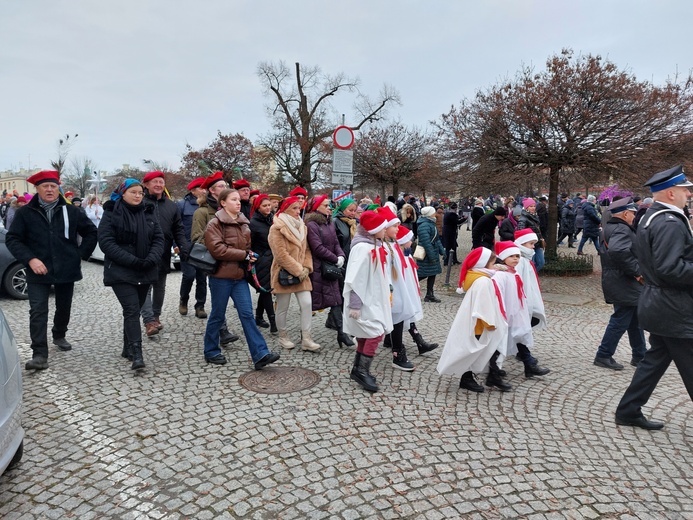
<point>292,265</point>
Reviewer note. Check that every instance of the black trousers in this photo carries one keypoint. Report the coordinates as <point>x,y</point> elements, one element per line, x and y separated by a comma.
<point>264,304</point>
<point>38,314</point>
<point>190,276</point>
<point>651,369</point>
<point>131,298</point>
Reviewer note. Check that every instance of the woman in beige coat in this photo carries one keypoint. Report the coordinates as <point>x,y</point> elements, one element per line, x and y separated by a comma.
<point>288,239</point>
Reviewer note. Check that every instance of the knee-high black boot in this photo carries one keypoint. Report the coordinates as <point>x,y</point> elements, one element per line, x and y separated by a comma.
<point>399,353</point>
<point>361,372</point>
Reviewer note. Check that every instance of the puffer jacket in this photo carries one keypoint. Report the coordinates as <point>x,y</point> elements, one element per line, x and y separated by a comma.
<point>568,215</point>
<point>619,264</point>
<point>430,240</point>
<point>592,220</point>
<point>228,240</point>
<point>324,246</point>
<point>290,254</point>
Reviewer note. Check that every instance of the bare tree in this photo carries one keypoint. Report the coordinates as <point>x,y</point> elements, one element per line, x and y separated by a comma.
<point>64,145</point>
<point>232,154</point>
<point>77,178</point>
<point>581,116</point>
<point>303,118</point>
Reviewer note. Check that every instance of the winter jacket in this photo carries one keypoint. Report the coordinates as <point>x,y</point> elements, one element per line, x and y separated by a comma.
<point>506,230</point>
<point>664,246</point>
<point>477,213</point>
<point>430,241</point>
<point>201,217</point>
<point>259,233</point>
<point>580,215</point>
<point>592,220</point>
<point>529,221</point>
<point>343,229</point>
<point>290,254</point>
<point>568,215</point>
<point>543,214</point>
<point>186,208</point>
<point>121,263</point>
<point>484,232</point>
<point>166,213</point>
<point>450,222</point>
<point>54,243</point>
<point>619,264</point>
<point>324,246</point>
<point>228,240</point>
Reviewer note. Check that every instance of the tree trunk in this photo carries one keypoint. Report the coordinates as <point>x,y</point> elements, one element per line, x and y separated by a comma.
<point>395,188</point>
<point>554,177</point>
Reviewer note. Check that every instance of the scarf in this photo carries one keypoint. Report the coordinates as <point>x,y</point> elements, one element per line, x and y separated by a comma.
<point>295,225</point>
<point>48,207</point>
<point>351,222</point>
<point>130,225</point>
<point>526,252</point>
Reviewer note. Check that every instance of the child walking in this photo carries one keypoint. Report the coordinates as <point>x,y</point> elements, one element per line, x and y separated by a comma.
<point>367,309</point>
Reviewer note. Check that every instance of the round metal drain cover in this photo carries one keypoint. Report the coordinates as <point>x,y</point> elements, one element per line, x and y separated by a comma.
<point>279,380</point>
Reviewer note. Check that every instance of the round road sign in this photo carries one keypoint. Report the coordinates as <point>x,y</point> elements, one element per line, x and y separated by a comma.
<point>343,137</point>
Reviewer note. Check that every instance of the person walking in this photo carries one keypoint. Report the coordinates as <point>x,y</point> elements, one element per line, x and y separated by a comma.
<point>324,247</point>
<point>451,224</point>
<point>133,244</point>
<point>43,238</point>
<point>289,242</point>
<point>484,231</point>
<point>429,239</point>
<point>664,246</point>
<point>187,207</point>
<point>622,284</point>
<point>227,239</point>
<point>261,218</point>
<point>591,225</point>
<point>567,227</point>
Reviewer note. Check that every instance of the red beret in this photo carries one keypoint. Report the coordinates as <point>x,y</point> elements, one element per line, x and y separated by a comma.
<point>69,194</point>
<point>241,183</point>
<point>254,192</point>
<point>153,175</point>
<point>44,176</point>
<point>213,179</point>
<point>298,190</point>
<point>196,183</point>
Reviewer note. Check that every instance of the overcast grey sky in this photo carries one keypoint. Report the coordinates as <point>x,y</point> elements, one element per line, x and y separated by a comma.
<point>138,79</point>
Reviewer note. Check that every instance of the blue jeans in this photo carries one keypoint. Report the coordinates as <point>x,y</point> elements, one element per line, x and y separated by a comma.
<point>583,241</point>
<point>624,318</point>
<point>221,289</point>
<point>538,258</point>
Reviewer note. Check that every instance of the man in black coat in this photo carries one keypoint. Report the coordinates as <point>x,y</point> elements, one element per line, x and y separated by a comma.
<point>484,232</point>
<point>451,223</point>
<point>167,214</point>
<point>43,237</point>
<point>187,207</point>
<point>664,245</point>
<point>622,283</point>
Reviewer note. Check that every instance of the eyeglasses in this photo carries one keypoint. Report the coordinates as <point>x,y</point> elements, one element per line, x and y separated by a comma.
<point>137,193</point>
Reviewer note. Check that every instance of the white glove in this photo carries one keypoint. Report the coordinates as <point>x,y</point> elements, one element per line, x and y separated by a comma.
<point>340,261</point>
<point>355,313</point>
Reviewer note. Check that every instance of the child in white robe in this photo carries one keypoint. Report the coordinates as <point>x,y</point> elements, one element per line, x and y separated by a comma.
<point>479,331</point>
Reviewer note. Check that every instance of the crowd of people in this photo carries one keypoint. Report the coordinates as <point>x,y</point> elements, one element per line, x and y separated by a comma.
<point>364,262</point>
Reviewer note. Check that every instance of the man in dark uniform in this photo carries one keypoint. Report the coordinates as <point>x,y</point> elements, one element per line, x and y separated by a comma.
<point>664,246</point>
<point>43,237</point>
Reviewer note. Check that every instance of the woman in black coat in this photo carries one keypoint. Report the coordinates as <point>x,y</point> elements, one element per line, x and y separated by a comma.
<point>261,217</point>
<point>133,244</point>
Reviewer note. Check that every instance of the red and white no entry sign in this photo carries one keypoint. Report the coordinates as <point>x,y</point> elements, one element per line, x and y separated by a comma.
<point>343,137</point>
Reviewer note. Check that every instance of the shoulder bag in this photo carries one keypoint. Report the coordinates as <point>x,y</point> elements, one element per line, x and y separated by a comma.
<point>202,259</point>
<point>286,278</point>
<point>328,270</point>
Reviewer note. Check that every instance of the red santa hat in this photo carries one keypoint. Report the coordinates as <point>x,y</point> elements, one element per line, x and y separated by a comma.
<point>195,183</point>
<point>213,179</point>
<point>478,257</point>
<point>152,175</point>
<point>372,222</point>
<point>389,216</point>
<point>505,249</point>
<point>240,183</point>
<point>44,176</point>
<point>523,236</point>
<point>298,190</point>
<point>404,235</point>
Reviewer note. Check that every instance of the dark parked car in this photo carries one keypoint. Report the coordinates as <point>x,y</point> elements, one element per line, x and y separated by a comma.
<point>11,431</point>
<point>13,273</point>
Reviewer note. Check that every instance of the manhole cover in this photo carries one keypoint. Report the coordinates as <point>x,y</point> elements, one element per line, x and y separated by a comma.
<point>279,380</point>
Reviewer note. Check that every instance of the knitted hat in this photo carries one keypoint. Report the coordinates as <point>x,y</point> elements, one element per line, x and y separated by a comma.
<point>505,249</point>
<point>195,183</point>
<point>478,257</point>
<point>372,222</point>
<point>44,176</point>
<point>404,235</point>
<point>526,203</point>
<point>500,212</point>
<point>213,179</point>
<point>428,211</point>
<point>522,236</point>
<point>152,175</point>
<point>389,216</point>
<point>298,190</point>
<point>240,183</point>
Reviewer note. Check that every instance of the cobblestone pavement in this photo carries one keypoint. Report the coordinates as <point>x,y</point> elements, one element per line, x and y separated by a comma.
<point>185,440</point>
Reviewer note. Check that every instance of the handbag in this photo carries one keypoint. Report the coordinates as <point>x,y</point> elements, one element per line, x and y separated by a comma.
<point>330,271</point>
<point>286,278</point>
<point>419,253</point>
<point>202,259</point>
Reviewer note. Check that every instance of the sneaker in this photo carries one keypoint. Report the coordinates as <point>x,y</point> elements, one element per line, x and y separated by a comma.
<point>267,360</point>
<point>200,313</point>
<point>37,363</point>
<point>62,344</point>
<point>404,365</point>
<point>607,362</point>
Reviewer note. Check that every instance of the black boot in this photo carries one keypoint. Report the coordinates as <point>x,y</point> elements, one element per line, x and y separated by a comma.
<point>137,360</point>
<point>361,372</point>
<point>421,343</point>
<point>494,378</point>
<point>226,336</point>
<point>532,370</point>
<point>387,342</point>
<point>344,339</point>
<point>430,297</point>
<point>127,353</point>
<point>331,321</point>
<point>469,382</point>
<point>399,359</point>
<point>273,324</point>
<point>260,322</point>
<point>494,366</point>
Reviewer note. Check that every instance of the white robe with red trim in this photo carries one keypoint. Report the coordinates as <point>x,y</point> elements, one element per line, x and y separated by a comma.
<point>530,281</point>
<point>516,310</point>
<point>462,351</point>
<point>406,301</point>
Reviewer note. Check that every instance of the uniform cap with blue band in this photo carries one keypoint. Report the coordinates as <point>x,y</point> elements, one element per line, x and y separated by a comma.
<point>668,178</point>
